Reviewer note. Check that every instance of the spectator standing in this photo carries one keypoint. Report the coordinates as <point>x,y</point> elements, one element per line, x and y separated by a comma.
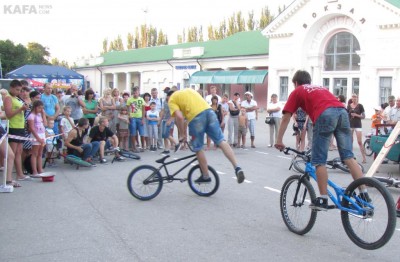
<point>37,122</point>
<point>14,110</point>
<point>153,117</point>
<point>123,128</point>
<point>213,92</point>
<point>300,119</point>
<point>136,118</point>
<point>90,109</point>
<point>356,113</point>
<point>146,98</point>
<point>107,106</point>
<point>233,123</point>
<point>50,101</point>
<point>388,110</point>
<point>218,112</point>
<point>251,109</point>
<point>159,107</point>
<point>225,112</point>
<point>243,125</point>
<point>115,94</point>
<point>167,123</point>
<point>395,112</point>
<point>274,108</point>
<point>74,101</point>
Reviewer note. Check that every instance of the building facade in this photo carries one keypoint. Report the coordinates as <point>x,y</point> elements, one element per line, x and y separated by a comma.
<point>350,46</point>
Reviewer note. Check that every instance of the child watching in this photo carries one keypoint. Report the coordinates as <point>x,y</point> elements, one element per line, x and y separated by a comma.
<point>243,123</point>
<point>153,116</point>
<point>37,122</point>
<point>51,142</point>
<point>66,125</point>
<point>123,122</point>
<point>376,119</point>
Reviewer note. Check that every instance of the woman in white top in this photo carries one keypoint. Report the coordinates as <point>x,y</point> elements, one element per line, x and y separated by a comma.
<point>274,109</point>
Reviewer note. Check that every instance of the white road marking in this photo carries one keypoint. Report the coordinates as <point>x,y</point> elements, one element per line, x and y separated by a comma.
<point>260,152</point>
<point>285,157</point>
<point>221,173</point>
<point>272,189</point>
<point>246,181</point>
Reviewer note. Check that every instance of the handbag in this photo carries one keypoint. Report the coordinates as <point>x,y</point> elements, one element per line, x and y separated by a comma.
<point>269,120</point>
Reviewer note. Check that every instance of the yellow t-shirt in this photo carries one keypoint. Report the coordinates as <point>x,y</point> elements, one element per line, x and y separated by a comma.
<point>189,102</point>
<point>18,120</point>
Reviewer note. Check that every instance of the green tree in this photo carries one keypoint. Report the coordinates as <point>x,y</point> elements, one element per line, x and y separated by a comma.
<point>130,40</point>
<point>210,32</point>
<point>12,56</point>
<point>265,18</point>
<point>240,23</point>
<point>37,54</point>
<point>251,24</point>
<point>105,45</point>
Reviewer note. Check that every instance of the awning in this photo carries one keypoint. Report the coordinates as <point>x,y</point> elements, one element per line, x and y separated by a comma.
<point>229,77</point>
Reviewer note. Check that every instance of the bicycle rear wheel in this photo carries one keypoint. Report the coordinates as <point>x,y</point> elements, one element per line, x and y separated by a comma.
<point>373,229</point>
<point>294,201</point>
<point>367,147</point>
<point>203,189</point>
<point>144,182</point>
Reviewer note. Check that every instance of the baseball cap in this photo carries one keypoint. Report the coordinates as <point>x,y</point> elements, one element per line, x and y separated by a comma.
<point>249,93</point>
<point>378,108</point>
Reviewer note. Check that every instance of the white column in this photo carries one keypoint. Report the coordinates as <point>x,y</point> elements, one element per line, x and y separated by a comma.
<point>128,82</point>
<point>103,83</point>
<point>115,80</point>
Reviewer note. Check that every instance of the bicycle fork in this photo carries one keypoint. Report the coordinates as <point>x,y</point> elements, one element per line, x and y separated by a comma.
<point>303,197</point>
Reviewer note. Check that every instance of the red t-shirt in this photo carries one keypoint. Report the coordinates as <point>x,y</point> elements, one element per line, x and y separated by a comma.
<point>312,99</point>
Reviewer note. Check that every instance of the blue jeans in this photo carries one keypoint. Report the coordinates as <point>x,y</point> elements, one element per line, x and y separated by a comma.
<point>333,121</point>
<point>205,122</point>
<point>90,149</point>
<point>135,124</point>
<point>166,129</point>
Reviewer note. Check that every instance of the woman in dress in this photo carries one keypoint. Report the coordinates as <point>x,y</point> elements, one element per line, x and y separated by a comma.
<point>146,106</point>
<point>118,102</point>
<point>107,106</point>
<point>356,113</point>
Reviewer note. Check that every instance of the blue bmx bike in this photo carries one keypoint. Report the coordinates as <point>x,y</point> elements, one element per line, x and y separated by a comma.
<point>368,223</point>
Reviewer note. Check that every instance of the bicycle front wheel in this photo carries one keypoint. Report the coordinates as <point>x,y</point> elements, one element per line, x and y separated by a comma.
<point>144,182</point>
<point>367,147</point>
<point>203,189</point>
<point>294,201</point>
<point>375,227</point>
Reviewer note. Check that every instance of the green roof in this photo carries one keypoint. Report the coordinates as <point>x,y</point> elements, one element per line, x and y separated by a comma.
<point>247,43</point>
<point>396,3</point>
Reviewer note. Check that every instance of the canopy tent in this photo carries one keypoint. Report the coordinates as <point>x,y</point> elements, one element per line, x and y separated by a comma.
<point>44,71</point>
<point>229,77</point>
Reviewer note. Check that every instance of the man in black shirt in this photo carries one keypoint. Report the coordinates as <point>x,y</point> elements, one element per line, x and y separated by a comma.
<point>102,133</point>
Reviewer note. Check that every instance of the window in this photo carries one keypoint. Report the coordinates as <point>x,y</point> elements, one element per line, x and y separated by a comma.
<point>340,53</point>
<point>385,89</point>
<point>340,86</point>
<point>283,88</point>
<point>356,86</point>
<point>325,82</point>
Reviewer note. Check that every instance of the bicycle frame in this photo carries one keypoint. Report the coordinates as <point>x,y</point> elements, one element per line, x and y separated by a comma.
<point>171,177</point>
<point>355,209</point>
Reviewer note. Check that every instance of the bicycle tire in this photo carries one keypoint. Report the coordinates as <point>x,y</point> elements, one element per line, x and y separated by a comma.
<point>144,190</point>
<point>339,164</point>
<point>129,155</point>
<point>299,165</point>
<point>301,219</point>
<point>367,147</point>
<point>203,189</point>
<point>375,229</point>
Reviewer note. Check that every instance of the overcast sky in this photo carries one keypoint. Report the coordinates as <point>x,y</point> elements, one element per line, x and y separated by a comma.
<point>75,28</point>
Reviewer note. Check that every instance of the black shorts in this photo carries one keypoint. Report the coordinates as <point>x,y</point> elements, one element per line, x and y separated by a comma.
<point>16,132</point>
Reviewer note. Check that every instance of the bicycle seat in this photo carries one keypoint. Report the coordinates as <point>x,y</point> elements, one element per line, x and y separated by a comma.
<point>161,160</point>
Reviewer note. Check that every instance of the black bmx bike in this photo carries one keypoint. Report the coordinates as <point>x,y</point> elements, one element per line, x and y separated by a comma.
<point>146,181</point>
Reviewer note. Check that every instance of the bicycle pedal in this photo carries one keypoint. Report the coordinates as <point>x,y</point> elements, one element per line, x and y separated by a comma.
<point>332,206</point>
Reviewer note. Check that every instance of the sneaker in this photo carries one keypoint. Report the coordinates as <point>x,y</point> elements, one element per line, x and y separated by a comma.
<point>103,161</point>
<point>120,158</point>
<point>239,174</point>
<point>203,179</point>
<point>165,152</point>
<point>91,162</point>
<point>320,204</point>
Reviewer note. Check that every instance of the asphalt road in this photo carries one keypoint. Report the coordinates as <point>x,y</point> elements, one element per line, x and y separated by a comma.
<point>89,215</point>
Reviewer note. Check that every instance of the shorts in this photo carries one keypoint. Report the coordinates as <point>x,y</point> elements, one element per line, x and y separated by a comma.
<point>205,123</point>
<point>242,130</point>
<point>16,132</point>
<point>166,129</point>
<point>123,133</point>
<point>36,143</point>
<point>358,129</point>
<point>333,121</point>
<point>135,124</point>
